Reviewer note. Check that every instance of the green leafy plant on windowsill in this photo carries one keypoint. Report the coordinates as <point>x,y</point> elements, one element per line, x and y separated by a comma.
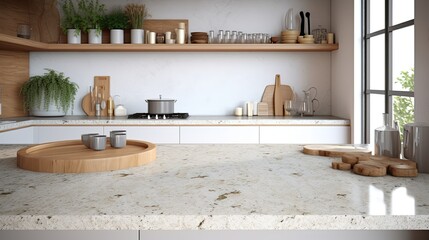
<point>403,107</point>
<point>54,87</point>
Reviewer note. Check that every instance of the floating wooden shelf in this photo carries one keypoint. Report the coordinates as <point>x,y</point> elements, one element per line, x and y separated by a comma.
<point>18,44</point>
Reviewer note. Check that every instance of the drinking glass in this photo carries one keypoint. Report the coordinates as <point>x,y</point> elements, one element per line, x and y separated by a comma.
<point>302,108</point>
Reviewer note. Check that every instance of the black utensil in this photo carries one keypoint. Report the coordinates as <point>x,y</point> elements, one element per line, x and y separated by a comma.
<point>302,33</point>
<point>307,14</point>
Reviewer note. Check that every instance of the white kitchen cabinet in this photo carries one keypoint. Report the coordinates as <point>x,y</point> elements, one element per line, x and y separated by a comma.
<point>153,134</point>
<point>219,134</point>
<point>305,134</point>
<point>285,234</point>
<point>69,235</point>
<point>18,136</point>
<point>59,133</point>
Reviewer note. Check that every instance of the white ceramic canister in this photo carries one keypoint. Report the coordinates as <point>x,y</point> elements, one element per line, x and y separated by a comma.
<point>117,36</point>
<point>94,36</point>
<point>137,36</point>
<point>73,36</point>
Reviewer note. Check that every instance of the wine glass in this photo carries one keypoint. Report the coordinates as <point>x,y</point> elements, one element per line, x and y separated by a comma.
<point>303,108</point>
<point>290,106</point>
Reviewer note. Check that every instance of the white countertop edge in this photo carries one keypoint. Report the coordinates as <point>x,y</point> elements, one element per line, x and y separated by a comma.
<point>191,121</point>
<point>214,222</point>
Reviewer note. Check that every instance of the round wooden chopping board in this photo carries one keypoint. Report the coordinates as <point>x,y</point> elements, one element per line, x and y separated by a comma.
<point>333,150</point>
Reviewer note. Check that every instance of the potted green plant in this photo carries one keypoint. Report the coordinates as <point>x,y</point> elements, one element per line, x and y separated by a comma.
<point>51,94</point>
<point>71,22</point>
<point>92,17</point>
<point>136,14</point>
<point>116,21</point>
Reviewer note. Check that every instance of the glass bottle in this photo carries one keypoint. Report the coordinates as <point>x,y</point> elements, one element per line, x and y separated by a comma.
<point>387,140</point>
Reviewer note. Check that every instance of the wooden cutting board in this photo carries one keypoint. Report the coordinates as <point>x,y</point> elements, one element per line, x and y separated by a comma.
<point>286,93</point>
<point>376,166</point>
<point>334,150</point>
<point>73,157</point>
<point>102,83</point>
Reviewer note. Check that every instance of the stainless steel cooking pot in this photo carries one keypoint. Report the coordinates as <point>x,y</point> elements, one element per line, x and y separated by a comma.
<point>160,106</point>
<point>416,142</point>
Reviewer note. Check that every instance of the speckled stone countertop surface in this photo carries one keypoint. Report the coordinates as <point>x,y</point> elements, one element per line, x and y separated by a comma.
<point>13,123</point>
<point>212,187</point>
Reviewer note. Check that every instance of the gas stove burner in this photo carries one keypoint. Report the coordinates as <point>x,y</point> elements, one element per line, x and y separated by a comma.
<point>158,116</point>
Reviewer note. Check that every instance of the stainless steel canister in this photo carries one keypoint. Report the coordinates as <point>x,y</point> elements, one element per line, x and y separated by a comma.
<point>387,140</point>
<point>416,145</point>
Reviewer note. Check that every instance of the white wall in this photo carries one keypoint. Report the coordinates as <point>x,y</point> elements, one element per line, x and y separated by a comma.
<point>421,77</point>
<point>344,74</point>
<point>203,83</point>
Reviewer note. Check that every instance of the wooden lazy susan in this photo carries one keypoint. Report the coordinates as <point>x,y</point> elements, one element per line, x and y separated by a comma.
<point>73,157</point>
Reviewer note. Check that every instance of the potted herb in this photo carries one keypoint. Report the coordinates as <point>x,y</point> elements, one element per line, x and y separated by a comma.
<point>71,22</point>
<point>51,94</point>
<point>136,14</point>
<point>92,17</point>
<point>116,21</point>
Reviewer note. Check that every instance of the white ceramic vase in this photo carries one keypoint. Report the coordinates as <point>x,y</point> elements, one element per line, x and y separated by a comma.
<point>137,36</point>
<point>95,36</point>
<point>52,111</point>
<point>73,36</point>
<point>117,36</point>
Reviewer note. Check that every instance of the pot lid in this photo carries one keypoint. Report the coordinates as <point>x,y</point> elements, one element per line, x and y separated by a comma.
<point>161,99</point>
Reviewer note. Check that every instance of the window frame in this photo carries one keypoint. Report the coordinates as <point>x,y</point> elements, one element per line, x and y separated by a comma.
<point>388,81</point>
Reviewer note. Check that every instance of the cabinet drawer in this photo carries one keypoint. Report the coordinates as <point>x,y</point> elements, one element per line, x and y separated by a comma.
<point>155,134</point>
<point>305,134</point>
<point>61,133</point>
<point>219,134</point>
<point>18,136</point>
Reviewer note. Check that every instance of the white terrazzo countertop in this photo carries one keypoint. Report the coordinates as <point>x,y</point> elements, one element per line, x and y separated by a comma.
<point>14,123</point>
<point>212,187</point>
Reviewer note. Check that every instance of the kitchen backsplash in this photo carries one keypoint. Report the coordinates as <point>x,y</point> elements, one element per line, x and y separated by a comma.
<point>203,83</point>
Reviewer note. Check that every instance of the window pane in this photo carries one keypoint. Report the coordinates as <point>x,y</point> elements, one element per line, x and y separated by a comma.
<point>403,111</point>
<point>402,11</point>
<point>376,63</point>
<point>376,15</point>
<point>376,110</point>
<point>403,59</point>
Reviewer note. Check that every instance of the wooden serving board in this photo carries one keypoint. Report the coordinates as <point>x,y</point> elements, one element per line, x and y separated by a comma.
<point>334,150</point>
<point>285,92</point>
<point>376,166</point>
<point>73,157</point>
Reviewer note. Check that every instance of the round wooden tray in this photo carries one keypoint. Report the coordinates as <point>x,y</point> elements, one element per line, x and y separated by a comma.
<point>73,157</point>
